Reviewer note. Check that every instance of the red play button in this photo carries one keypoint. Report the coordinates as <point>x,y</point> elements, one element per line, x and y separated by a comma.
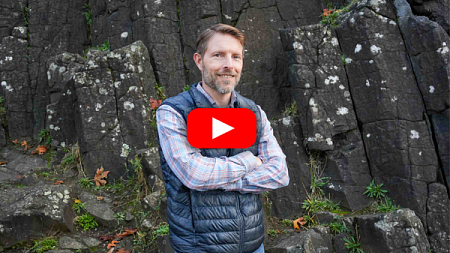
<point>221,128</point>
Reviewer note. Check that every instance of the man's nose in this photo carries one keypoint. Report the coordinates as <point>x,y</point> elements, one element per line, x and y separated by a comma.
<point>228,62</point>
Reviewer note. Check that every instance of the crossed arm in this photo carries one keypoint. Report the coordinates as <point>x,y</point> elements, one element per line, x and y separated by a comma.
<point>241,172</point>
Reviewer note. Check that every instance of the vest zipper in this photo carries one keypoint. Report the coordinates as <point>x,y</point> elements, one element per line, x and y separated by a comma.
<point>241,224</point>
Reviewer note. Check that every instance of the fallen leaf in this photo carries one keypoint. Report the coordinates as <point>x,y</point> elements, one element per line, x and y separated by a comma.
<point>99,175</point>
<point>19,176</point>
<point>128,231</point>
<point>105,238</point>
<point>327,12</point>
<point>1,163</point>
<point>297,223</point>
<point>15,141</point>
<point>41,149</point>
<point>155,103</point>
<point>99,197</point>
<point>58,182</point>
<point>278,231</point>
<point>24,143</point>
<point>76,201</point>
<point>112,244</point>
<point>123,251</point>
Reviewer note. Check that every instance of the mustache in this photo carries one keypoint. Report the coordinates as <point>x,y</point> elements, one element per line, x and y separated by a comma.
<point>227,73</point>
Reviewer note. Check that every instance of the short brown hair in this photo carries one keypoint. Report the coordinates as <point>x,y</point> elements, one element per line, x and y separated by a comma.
<point>206,35</point>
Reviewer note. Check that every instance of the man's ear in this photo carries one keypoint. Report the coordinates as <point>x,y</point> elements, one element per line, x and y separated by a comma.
<point>198,61</point>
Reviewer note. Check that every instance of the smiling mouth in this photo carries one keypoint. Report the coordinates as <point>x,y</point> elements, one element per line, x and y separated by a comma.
<point>226,76</point>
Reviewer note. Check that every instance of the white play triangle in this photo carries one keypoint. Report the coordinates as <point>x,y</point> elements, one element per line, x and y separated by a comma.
<point>219,128</point>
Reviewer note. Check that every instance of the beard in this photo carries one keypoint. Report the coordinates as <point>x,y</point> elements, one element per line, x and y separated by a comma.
<point>210,78</point>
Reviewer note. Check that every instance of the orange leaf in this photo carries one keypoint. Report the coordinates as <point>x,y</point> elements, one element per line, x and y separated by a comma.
<point>128,231</point>
<point>60,182</point>
<point>99,197</point>
<point>105,238</point>
<point>41,149</point>
<point>155,103</point>
<point>1,163</point>
<point>112,244</point>
<point>19,176</point>
<point>24,143</point>
<point>76,201</point>
<point>123,251</point>
<point>99,175</point>
<point>15,141</point>
<point>327,12</point>
<point>299,222</point>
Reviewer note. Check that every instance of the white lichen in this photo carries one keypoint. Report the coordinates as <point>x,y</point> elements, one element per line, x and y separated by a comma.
<point>342,111</point>
<point>127,105</point>
<point>331,79</point>
<point>297,46</point>
<point>414,134</point>
<point>125,150</point>
<point>98,106</point>
<point>348,60</point>
<point>329,141</point>
<point>286,121</point>
<point>375,50</point>
<point>367,83</point>
<point>160,14</point>
<point>431,89</point>
<point>358,48</point>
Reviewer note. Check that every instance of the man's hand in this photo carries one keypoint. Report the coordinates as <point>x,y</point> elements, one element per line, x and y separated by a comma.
<point>258,161</point>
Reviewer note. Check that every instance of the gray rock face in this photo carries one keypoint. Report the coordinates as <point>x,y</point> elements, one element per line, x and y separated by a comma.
<point>441,127</point>
<point>106,101</point>
<point>328,120</point>
<point>438,218</point>
<point>285,202</point>
<point>436,10</point>
<point>398,231</point>
<point>35,210</point>
<point>317,239</point>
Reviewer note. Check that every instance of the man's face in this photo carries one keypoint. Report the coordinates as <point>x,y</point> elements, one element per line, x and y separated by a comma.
<point>221,64</point>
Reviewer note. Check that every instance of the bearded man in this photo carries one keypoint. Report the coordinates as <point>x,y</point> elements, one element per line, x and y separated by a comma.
<point>213,202</point>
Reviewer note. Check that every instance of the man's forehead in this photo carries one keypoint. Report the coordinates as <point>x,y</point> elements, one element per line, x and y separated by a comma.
<point>214,44</point>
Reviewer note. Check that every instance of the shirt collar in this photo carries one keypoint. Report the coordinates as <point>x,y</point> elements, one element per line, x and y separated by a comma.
<point>211,100</point>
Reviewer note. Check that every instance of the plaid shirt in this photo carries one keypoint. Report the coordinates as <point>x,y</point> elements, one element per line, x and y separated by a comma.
<point>236,173</point>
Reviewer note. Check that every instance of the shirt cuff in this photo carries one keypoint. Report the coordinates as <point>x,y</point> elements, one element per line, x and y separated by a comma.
<point>248,160</point>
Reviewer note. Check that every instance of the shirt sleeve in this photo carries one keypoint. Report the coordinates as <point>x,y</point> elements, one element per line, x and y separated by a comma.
<point>195,171</point>
<point>273,173</point>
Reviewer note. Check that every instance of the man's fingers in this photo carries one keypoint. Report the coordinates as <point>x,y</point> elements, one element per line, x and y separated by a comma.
<point>258,161</point>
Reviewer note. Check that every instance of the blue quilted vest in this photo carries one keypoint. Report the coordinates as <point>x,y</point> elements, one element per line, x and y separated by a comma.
<point>212,221</point>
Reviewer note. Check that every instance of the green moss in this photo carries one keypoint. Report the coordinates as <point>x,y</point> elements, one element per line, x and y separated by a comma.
<point>44,245</point>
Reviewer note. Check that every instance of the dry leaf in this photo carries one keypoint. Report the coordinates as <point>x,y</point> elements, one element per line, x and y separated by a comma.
<point>1,163</point>
<point>123,251</point>
<point>15,141</point>
<point>112,244</point>
<point>99,175</point>
<point>76,201</point>
<point>105,238</point>
<point>19,176</point>
<point>41,149</point>
<point>155,103</point>
<point>99,197</point>
<point>297,223</point>
<point>327,12</point>
<point>128,231</point>
<point>58,182</point>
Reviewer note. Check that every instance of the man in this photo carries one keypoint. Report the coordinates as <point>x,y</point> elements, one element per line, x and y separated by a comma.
<point>212,194</point>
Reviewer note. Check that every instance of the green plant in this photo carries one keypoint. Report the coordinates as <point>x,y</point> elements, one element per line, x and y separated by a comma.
<point>272,232</point>
<point>44,135</point>
<point>68,159</point>
<point>119,216</point>
<point>330,15</point>
<point>86,221</point>
<point>291,109</point>
<point>88,13</point>
<point>160,92</point>
<point>44,245</point>
<point>186,88</point>
<point>79,207</point>
<point>2,107</point>
<point>352,245</point>
<point>343,60</point>
<point>19,185</point>
<point>86,183</point>
<point>386,206</point>
<point>338,226</point>
<point>375,191</point>
<point>163,229</point>
<point>25,13</point>
<point>287,222</point>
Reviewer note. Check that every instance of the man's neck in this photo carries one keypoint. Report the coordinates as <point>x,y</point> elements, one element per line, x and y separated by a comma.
<point>222,100</point>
